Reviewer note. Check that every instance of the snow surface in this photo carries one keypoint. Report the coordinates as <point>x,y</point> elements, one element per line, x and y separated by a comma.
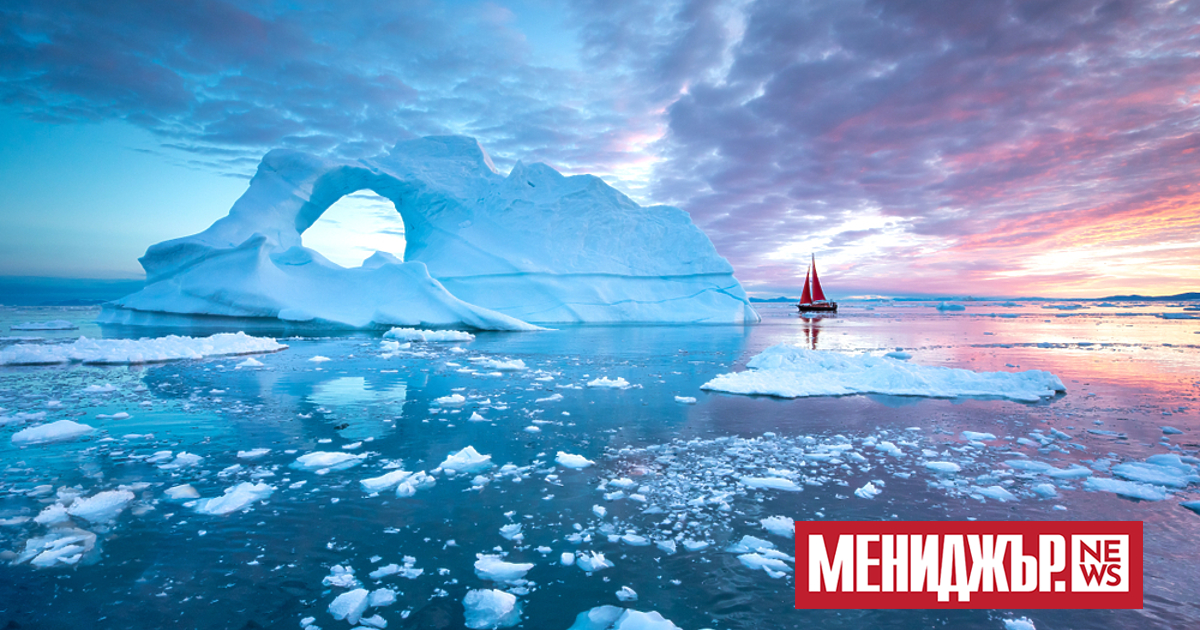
<point>51,432</point>
<point>790,371</point>
<point>129,351</point>
<point>483,250</point>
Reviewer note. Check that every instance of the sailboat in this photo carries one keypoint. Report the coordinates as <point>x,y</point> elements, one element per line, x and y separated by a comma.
<point>814,301</point>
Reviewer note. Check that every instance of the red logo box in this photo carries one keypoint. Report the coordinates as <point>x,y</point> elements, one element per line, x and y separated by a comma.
<point>969,564</point>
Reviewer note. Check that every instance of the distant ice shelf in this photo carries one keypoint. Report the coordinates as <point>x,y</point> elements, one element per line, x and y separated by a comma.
<point>483,251</point>
<point>792,372</point>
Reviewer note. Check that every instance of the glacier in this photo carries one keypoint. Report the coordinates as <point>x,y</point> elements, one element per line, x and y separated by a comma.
<point>483,251</point>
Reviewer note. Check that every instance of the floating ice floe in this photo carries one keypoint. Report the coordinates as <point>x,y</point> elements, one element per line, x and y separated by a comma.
<point>611,383</point>
<point>183,492</point>
<point>491,608</point>
<point>122,351</point>
<point>1127,489</point>
<point>249,362</point>
<point>468,460</point>
<point>627,594</point>
<point>1160,470</point>
<point>686,400</point>
<point>771,483</point>
<point>779,525</point>
<point>791,372</point>
<point>58,431</point>
<point>943,467</point>
<point>947,306</point>
<point>617,618</point>
<point>61,546</point>
<point>514,365</point>
<point>254,453</point>
<point>592,562</point>
<point>102,507</point>
<point>1020,623</point>
<point>869,491</point>
<point>327,460</point>
<point>54,324</point>
<point>413,334</point>
<point>453,400</point>
<point>568,460</point>
<point>236,498</point>
<point>494,568</point>
<point>350,605</point>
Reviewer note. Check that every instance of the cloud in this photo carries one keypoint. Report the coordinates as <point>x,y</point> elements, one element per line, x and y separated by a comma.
<point>950,142</point>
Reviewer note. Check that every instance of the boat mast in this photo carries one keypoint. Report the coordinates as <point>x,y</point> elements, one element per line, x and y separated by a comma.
<point>806,297</point>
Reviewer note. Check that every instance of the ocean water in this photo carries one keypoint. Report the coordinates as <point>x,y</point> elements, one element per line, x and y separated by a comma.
<point>663,470</point>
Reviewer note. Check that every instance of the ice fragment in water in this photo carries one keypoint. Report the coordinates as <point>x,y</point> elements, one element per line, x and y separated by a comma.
<point>491,608</point>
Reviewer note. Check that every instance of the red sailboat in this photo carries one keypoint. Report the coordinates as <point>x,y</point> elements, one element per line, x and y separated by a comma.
<point>814,301</point>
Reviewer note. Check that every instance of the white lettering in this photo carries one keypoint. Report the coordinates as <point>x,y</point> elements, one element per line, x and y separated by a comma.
<point>1052,551</point>
<point>820,566</point>
<point>894,560</point>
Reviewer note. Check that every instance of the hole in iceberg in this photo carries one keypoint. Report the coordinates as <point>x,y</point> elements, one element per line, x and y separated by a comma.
<point>356,226</point>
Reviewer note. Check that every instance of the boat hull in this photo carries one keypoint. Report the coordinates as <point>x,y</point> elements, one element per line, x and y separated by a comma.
<point>827,307</point>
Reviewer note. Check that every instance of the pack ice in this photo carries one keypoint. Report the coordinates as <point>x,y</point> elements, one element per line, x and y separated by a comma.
<point>483,250</point>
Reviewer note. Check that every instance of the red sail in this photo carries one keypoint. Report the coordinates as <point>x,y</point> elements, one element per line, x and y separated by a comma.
<point>817,294</point>
<point>806,298</point>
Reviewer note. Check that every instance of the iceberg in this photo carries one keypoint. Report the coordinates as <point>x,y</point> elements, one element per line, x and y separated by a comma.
<point>789,371</point>
<point>482,250</point>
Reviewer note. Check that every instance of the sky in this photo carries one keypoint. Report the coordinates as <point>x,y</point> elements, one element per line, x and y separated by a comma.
<point>959,147</point>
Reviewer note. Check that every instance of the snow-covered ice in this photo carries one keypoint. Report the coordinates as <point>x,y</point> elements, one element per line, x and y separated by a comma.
<point>791,372</point>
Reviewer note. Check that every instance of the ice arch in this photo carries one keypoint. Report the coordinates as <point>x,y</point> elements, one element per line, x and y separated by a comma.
<point>483,250</point>
<point>355,227</point>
